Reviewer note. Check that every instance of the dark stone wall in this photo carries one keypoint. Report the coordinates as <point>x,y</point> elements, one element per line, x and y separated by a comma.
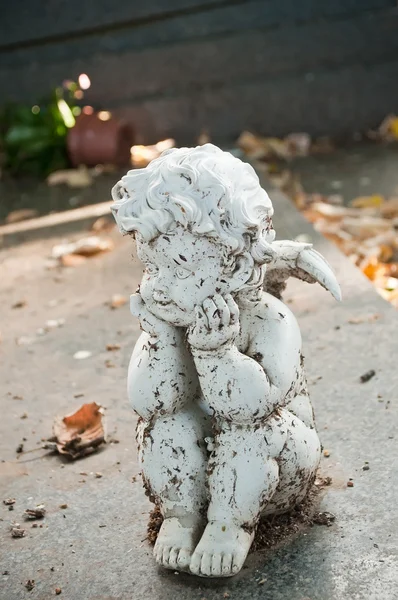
<point>175,67</point>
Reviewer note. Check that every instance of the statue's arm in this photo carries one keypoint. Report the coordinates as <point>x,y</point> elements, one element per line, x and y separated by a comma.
<point>252,385</point>
<point>161,373</point>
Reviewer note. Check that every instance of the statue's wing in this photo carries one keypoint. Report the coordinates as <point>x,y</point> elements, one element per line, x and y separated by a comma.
<point>295,259</point>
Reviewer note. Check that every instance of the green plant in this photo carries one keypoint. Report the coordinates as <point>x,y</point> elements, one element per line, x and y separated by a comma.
<point>33,138</point>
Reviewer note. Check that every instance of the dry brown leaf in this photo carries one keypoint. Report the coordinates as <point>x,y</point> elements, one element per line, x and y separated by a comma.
<point>204,138</point>
<point>388,130</point>
<point>365,226</point>
<point>80,433</point>
<point>103,224</point>
<point>141,156</point>
<point>22,214</point>
<point>112,347</point>
<point>118,300</point>
<point>92,245</point>
<point>72,260</point>
<point>374,201</point>
<point>389,208</point>
<point>364,319</point>
<point>74,178</point>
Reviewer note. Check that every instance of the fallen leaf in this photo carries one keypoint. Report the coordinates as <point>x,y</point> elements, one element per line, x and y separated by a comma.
<point>367,376</point>
<point>112,347</point>
<point>204,138</point>
<point>74,178</point>
<point>89,246</point>
<point>9,501</point>
<point>80,433</point>
<point>388,130</point>
<point>24,340</point>
<point>19,304</point>
<point>35,513</point>
<point>141,156</point>
<point>376,200</point>
<point>118,300</point>
<point>324,518</point>
<point>22,214</point>
<point>17,531</point>
<point>103,224</point>
<point>364,319</point>
<point>72,260</point>
<point>82,354</point>
<point>298,143</point>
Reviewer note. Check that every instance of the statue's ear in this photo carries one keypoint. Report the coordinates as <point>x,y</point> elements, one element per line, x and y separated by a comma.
<point>237,275</point>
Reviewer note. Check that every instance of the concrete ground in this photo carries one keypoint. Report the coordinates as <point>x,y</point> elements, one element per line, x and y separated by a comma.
<point>95,549</point>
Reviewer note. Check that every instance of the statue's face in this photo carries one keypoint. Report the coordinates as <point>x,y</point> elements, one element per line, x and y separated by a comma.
<point>181,271</point>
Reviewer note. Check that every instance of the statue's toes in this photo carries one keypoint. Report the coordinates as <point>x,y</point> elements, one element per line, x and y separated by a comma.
<point>216,568</point>
<point>195,563</point>
<point>172,559</point>
<point>226,568</point>
<point>183,559</point>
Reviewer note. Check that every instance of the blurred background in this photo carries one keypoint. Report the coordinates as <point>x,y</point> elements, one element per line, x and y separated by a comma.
<point>307,89</point>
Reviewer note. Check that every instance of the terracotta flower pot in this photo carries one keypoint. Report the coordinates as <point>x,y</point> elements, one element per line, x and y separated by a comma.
<point>93,141</point>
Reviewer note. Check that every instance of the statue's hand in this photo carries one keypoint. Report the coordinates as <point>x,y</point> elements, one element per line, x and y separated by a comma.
<point>149,323</point>
<point>216,324</point>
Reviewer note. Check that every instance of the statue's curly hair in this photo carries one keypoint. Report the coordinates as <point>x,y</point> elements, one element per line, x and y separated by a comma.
<point>205,190</point>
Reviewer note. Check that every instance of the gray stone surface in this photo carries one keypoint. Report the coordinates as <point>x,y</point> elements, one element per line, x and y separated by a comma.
<point>359,169</point>
<point>97,546</point>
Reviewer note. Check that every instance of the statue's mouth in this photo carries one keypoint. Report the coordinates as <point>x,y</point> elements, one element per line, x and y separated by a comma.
<point>164,302</point>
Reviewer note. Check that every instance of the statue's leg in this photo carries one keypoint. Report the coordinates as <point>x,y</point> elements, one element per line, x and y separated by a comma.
<point>173,458</point>
<point>298,464</point>
<point>243,474</point>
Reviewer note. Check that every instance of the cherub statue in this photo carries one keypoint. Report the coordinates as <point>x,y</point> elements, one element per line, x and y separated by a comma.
<point>226,431</point>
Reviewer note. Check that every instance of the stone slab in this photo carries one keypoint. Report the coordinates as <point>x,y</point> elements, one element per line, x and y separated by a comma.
<point>96,549</point>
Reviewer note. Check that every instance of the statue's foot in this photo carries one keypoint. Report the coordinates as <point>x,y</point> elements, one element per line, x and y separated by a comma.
<point>176,542</point>
<point>221,551</point>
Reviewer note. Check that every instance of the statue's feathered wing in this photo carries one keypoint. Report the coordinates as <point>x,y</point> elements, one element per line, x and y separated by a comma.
<point>296,259</point>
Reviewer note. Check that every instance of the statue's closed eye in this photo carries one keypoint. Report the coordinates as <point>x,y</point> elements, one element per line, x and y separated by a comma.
<point>182,273</point>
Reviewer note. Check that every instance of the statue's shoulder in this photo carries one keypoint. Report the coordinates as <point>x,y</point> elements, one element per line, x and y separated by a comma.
<point>270,317</point>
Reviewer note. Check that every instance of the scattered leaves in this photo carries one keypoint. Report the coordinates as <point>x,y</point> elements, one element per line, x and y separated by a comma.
<point>16,216</point>
<point>82,354</point>
<point>367,376</point>
<point>17,531</point>
<point>74,178</point>
<point>141,156</point>
<point>117,301</point>
<point>30,584</point>
<point>9,501</point>
<point>103,224</point>
<point>72,260</point>
<point>112,347</point>
<point>74,254</point>
<point>19,304</point>
<point>80,433</point>
<point>35,513</point>
<point>324,518</point>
